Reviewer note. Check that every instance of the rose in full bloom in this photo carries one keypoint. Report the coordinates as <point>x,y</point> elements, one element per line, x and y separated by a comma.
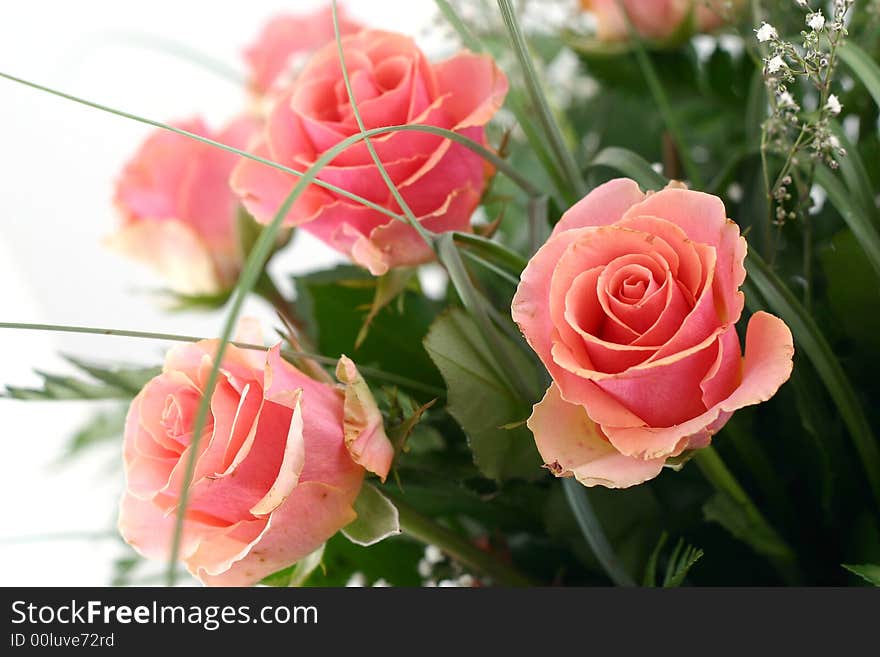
<point>393,83</point>
<point>631,306</point>
<point>279,464</point>
<point>178,213</point>
<point>656,19</point>
<point>287,37</point>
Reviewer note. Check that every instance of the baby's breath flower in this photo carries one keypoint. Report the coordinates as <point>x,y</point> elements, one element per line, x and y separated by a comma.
<point>833,105</point>
<point>766,33</point>
<point>816,21</point>
<point>775,64</point>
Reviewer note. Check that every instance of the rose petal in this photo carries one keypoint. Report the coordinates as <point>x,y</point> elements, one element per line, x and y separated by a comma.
<point>307,518</point>
<point>603,206</point>
<point>176,251</point>
<point>767,365</point>
<point>364,429</point>
<point>474,103</point>
<point>571,444</point>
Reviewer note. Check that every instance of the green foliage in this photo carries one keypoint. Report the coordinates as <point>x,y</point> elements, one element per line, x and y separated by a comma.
<point>100,428</point>
<point>678,565</point>
<point>868,572</point>
<point>394,560</point>
<point>103,382</point>
<point>334,304</point>
<point>480,402</point>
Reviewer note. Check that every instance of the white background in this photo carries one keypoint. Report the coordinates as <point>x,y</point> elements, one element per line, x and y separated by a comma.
<point>58,161</point>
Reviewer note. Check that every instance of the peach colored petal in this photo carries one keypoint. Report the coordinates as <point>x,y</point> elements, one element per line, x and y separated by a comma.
<point>767,365</point>
<point>603,206</point>
<point>292,463</point>
<point>703,219</point>
<point>149,529</point>
<point>263,189</point>
<point>173,249</point>
<point>476,102</point>
<point>572,444</point>
<point>364,429</point>
<point>307,518</point>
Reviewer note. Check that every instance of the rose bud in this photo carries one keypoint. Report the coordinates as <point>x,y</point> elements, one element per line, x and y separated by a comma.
<point>279,463</point>
<point>178,212</point>
<point>658,20</point>
<point>632,305</point>
<point>394,83</point>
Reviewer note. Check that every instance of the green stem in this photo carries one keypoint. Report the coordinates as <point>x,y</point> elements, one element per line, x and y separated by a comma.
<point>718,474</point>
<point>499,163</point>
<point>268,290</point>
<point>653,80</point>
<point>577,497</point>
<point>428,531</point>
<point>548,122</point>
<point>369,372</point>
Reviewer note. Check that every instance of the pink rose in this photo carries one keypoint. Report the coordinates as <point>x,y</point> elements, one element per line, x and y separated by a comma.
<point>440,180</point>
<point>279,464</point>
<point>178,212</point>
<point>655,19</point>
<point>271,57</point>
<point>631,306</point>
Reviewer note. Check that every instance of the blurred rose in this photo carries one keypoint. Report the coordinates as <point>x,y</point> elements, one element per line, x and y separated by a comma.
<point>178,213</point>
<point>657,19</point>
<point>277,468</point>
<point>631,306</point>
<point>394,84</point>
<point>284,38</point>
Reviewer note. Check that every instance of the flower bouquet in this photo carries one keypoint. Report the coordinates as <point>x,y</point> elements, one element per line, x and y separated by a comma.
<point>608,311</point>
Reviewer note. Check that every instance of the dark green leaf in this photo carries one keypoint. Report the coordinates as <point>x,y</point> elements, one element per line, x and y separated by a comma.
<point>810,338</point>
<point>481,403</point>
<point>867,571</point>
<point>681,561</point>
<point>863,67</point>
<point>334,303</point>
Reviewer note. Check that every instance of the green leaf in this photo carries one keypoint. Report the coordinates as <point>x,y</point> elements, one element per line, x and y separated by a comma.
<point>863,67</point>
<point>111,382</point>
<point>101,427</point>
<point>855,217</point>
<point>631,165</point>
<point>395,560</point>
<point>762,281</point>
<point>513,372</point>
<point>650,577</point>
<point>334,303</point>
<point>494,252</point>
<point>388,288</point>
<point>854,172</point>
<point>579,501</point>
<point>868,572</point>
<point>377,518</point>
<point>177,302</point>
<point>736,518</point>
<point>480,402</point>
<point>682,560</point>
<point>402,417</point>
<point>131,379</point>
